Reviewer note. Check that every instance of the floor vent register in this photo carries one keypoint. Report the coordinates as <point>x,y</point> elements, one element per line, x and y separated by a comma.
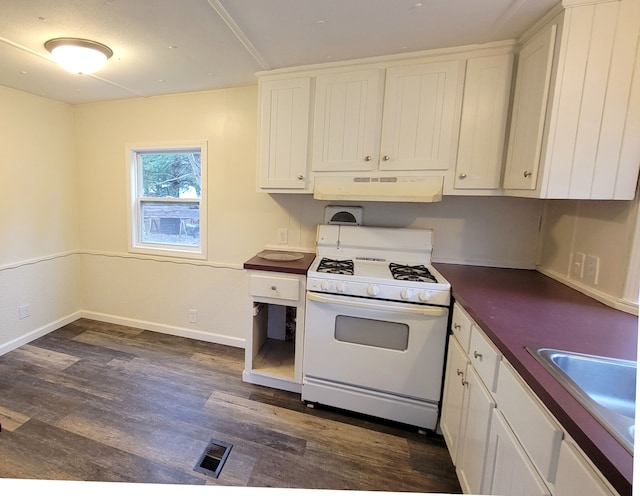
<point>213,458</point>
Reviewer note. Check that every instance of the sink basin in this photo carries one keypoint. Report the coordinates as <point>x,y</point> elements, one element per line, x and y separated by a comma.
<point>605,386</point>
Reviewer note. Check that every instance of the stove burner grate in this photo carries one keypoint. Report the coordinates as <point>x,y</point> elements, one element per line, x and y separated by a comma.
<point>330,266</point>
<point>411,273</point>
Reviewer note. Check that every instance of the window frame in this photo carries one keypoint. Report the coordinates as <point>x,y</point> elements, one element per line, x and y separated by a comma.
<point>135,200</point>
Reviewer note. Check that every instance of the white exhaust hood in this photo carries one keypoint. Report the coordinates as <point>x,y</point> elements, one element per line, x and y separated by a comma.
<point>424,189</point>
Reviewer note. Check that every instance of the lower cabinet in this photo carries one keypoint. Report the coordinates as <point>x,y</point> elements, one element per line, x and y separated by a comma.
<point>453,396</point>
<point>273,352</point>
<point>509,471</point>
<point>476,420</point>
<point>502,439</point>
<point>575,476</point>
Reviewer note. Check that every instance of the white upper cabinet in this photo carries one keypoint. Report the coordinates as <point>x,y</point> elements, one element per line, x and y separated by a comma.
<point>483,126</point>
<point>415,129</point>
<point>421,116</point>
<point>576,109</point>
<point>346,120</point>
<point>283,134</point>
<point>529,110</point>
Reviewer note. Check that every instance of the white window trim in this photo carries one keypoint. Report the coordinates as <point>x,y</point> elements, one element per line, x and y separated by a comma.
<point>133,210</point>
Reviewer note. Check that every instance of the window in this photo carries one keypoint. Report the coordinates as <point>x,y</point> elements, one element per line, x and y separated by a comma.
<point>168,199</point>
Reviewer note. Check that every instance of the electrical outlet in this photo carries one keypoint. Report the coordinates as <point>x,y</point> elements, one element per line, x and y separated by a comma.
<point>577,264</point>
<point>24,311</point>
<point>283,235</point>
<point>591,269</point>
<point>193,316</point>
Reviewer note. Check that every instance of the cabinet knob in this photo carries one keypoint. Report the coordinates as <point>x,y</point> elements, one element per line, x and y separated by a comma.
<point>462,175</point>
<point>300,177</point>
<point>273,288</point>
<point>368,158</point>
<point>527,174</point>
<point>386,158</point>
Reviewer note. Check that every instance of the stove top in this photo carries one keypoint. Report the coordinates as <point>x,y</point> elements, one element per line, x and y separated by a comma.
<point>382,263</point>
<point>411,273</point>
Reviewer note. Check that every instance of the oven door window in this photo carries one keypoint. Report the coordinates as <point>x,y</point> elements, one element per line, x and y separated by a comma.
<point>369,332</point>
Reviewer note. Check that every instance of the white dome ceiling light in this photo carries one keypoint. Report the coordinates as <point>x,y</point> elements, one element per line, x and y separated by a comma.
<point>77,55</point>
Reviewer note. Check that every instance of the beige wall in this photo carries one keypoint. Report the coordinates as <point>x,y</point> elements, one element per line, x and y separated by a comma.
<point>604,229</point>
<point>158,294</point>
<point>38,217</point>
<point>68,213</point>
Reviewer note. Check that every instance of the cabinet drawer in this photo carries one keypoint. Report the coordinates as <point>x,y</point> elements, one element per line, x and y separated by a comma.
<point>484,358</point>
<point>461,326</point>
<point>538,433</point>
<point>284,288</point>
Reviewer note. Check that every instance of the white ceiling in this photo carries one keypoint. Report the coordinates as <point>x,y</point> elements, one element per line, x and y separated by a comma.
<point>176,46</point>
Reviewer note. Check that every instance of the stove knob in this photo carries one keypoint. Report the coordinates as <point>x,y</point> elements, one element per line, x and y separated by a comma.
<point>341,287</point>
<point>373,290</point>
<point>325,285</point>
<point>406,294</point>
<point>425,296</point>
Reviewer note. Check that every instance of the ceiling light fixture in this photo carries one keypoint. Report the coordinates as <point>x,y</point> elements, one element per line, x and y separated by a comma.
<point>77,55</point>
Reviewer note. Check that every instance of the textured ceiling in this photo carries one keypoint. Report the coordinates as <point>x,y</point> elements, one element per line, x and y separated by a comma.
<point>177,46</point>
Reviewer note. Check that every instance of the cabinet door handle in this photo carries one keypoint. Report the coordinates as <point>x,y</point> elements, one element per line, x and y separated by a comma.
<point>300,177</point>
<point>459,372</point>
<point>462,175</point>
<point>527,174</point>
<point>477,355</point>
<point>368,158</point>
<point>273,288</point>
<point>464,383</point>
<point>386,158</point>
<point>456,326</point>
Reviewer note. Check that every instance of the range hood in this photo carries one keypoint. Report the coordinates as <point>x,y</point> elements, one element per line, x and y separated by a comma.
<point>424,189</point>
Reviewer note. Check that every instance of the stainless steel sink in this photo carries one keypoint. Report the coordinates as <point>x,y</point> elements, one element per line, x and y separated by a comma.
<point>605,386</point>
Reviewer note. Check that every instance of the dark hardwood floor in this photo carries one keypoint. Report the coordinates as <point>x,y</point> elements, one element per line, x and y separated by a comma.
<point>102,402</point>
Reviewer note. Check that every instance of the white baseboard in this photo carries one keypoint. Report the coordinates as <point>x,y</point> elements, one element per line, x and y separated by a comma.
<point>165,329</point>
<point>38,333</point>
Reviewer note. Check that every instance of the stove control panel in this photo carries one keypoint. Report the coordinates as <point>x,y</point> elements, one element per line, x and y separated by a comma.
<point>381,291</point>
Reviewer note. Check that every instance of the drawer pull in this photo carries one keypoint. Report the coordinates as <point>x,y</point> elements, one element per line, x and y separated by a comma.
<point>477,355</point>
<point>273,288</point>
<point>456,326</point>
<point>459,372</point>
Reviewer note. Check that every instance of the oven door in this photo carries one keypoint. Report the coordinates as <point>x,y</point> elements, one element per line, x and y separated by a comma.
<point>374,345</point>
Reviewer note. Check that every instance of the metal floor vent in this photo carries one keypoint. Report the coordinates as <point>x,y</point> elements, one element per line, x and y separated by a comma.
<point>213,458</point>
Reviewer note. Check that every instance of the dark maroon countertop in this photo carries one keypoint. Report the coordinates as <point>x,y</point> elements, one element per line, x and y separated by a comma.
<point>294,267</point>
<point>518,308</point>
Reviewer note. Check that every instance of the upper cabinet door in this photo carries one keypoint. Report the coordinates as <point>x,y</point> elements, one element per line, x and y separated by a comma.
<point>529,110</point>
<point>483,127</point>
<point>421,116</point>
<point>347,120</point>
<point>284,133</point>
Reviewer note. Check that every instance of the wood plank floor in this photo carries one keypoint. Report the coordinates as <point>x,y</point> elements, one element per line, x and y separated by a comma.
<point>101,402</point>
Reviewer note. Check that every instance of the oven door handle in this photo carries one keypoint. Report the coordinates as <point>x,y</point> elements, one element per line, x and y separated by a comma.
<point>430,311</point>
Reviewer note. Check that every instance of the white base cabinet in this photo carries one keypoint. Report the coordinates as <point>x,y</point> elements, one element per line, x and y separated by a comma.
<point>476,419</point>
<point>576,476</point>
<point>509,470</point>
<point>273,352</point>
<point>502,439</point>
<point>453,396</point>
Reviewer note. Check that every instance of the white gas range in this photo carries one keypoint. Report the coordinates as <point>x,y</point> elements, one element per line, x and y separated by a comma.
<point>376,323</point>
